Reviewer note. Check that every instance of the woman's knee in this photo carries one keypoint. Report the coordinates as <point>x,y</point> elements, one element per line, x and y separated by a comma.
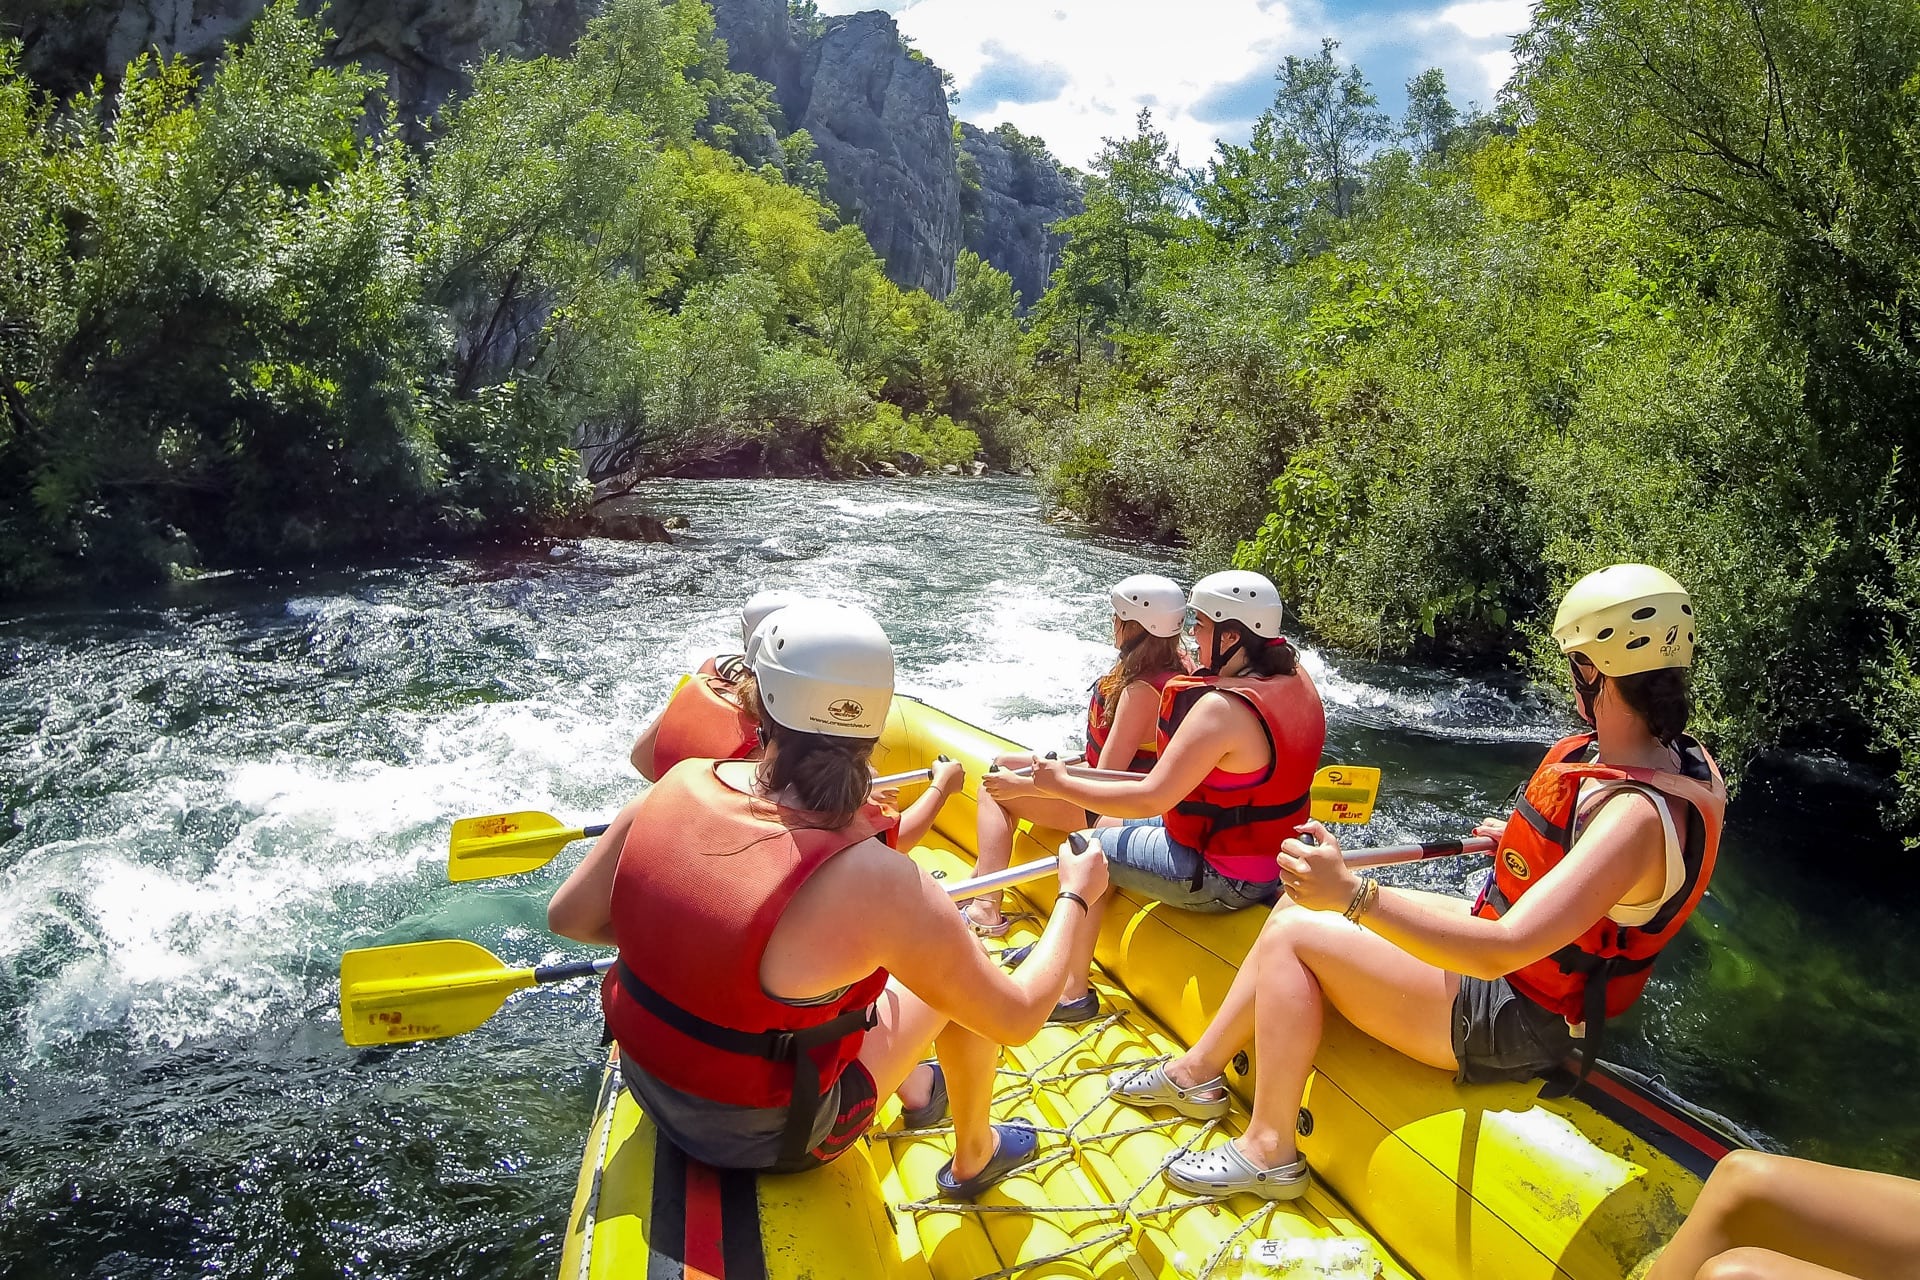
<point>1741,1264</point>
<point>1744,1178</point>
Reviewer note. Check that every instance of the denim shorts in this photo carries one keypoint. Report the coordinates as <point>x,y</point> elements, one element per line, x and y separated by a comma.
<point>1499,1034</point>
<point>1141,856</point>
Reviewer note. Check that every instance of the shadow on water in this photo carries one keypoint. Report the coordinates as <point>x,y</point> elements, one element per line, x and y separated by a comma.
<point>208,792</point>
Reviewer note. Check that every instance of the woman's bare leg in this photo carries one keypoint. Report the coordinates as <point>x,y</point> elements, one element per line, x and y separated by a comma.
<point>1233,1023</point>
<point>892,1052</point>
<point>1764,1264</point>
<point>1849,1221</point>
<point>1305,957</point>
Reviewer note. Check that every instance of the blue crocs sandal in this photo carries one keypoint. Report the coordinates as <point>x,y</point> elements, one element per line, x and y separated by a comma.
<point>1085,1009</point>
<point>933,1110</point>
<point>1017,1146</point>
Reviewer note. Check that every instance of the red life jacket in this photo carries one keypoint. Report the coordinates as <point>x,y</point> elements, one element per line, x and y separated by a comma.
<point>703,722</point>
<point>1238,827</point>
<point>701,885</point>
<point>1600,973</point>
<point>1099,726</point>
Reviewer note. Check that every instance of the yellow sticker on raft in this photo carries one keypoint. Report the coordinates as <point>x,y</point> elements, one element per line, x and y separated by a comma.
<point>1345,793</point>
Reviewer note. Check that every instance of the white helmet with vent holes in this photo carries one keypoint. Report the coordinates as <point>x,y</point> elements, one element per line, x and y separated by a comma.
<point>1152,600</point>
<point>824,668</point>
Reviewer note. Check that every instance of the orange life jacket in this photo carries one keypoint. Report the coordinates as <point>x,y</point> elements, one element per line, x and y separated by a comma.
<point>702,721</point>
<point>1099,726</point>
<point>702,881</point>
<point>1600,973</point>
<point>1238,827</point>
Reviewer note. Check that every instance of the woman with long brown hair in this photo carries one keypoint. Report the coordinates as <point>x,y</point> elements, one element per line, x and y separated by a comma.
<point>780,969</point>
<point>1149,613</point>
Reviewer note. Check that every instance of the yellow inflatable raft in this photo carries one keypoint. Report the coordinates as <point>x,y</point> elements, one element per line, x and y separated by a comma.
<point>1414,1176</point>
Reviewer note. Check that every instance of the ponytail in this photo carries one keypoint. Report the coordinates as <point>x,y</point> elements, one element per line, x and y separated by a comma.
<point>829,777</point>
<point>1275,657</point>
<point>1662,699</point>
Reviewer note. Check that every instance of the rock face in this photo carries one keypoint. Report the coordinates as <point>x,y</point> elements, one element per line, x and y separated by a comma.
<point>424,46</point>
<point>1021,192</point>
<point>878,116</point>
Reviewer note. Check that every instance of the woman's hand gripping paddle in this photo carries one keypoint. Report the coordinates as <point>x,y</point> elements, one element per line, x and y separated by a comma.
<point>431,990</point>
<point>509,844</point>
<point>1341,792</point>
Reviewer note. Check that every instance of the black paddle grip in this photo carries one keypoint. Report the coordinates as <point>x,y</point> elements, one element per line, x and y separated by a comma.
<point>565,972</point>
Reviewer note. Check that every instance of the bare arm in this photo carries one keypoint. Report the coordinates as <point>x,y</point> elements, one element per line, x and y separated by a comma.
<point>871,908</point>
<point>642,753</point>
<point>1134,720</point>
<point>1623,844</point>
<point>582,908</point>
<point>1219,732</point>
<point>917,818</point>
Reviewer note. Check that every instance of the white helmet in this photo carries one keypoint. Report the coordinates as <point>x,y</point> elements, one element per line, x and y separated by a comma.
<point>757,609</point>
<point>1625,619</point>
<point>759,631</point>
<point>1239,596</point>
<point>1153,601</point>
<point>825,668</point>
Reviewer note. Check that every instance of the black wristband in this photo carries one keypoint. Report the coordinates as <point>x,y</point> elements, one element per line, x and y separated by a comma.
<point>1070,895</point>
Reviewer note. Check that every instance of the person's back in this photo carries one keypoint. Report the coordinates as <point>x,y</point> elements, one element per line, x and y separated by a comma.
<point>758,922</point>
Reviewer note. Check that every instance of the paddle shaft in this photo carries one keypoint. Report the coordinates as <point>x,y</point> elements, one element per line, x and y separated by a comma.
<point>1381,856</point>
<point>570,970</point>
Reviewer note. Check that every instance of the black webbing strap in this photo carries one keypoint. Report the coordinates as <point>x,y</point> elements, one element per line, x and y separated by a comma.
<point>775,1046</point>
<point>1225,817</point>
<point>1553,831</point>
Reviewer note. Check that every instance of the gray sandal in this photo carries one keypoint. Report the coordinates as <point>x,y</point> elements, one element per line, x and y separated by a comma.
<point>1150,1087</point>
<point>1224,1171</point>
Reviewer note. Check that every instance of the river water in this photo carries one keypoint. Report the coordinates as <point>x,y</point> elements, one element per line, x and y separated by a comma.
<point>208,792</point>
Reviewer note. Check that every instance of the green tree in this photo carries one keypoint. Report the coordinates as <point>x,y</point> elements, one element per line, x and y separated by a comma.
<point>1430,119</point>
<point>1334,116</point>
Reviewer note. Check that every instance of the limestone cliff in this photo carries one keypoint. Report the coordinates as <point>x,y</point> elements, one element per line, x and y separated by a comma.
<point>878,116</point>
<point>424,46</point>
<point>1012,192</point>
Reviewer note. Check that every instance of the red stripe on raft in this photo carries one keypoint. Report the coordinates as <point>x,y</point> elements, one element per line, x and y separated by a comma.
<point>704,1256</point>
<point>1705,1143</point>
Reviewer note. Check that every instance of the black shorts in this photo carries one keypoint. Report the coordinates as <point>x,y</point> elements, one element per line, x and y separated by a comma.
<point>727,1136</point>
<point>1499,1034</point>
<point>859,1102</point>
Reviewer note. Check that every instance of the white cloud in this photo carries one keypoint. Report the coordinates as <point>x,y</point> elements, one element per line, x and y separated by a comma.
<point>1203,66</point>
<point>1118,56</point>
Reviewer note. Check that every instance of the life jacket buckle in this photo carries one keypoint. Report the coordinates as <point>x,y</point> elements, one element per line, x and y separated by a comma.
<point>784,1047</point>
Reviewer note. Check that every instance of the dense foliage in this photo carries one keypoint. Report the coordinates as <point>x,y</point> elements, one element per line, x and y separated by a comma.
<point>240,319</point>
<point>1661,307</point>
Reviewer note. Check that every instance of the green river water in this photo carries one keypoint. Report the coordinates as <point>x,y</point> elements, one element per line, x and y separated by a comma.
<point>208,792</point>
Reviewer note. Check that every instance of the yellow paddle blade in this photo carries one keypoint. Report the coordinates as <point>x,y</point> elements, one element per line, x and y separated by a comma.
<point>1345,793</point>
<point>421,991</point>
<point>505,844</point>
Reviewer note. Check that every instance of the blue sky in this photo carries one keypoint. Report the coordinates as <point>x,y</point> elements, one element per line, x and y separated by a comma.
<point>1075,71</point>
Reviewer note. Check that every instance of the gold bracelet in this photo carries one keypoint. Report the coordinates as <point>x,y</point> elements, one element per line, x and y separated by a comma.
<point>1364,896</point>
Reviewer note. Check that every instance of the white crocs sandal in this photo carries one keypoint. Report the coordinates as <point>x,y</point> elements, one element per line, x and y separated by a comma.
<point>1150,1087</point>
<point>1224,1171</point>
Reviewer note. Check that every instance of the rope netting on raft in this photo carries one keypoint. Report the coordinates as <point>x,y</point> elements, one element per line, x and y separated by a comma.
<point>1073,1140</point>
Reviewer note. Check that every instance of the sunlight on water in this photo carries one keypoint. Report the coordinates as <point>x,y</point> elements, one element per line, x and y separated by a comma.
<point>211,791</point>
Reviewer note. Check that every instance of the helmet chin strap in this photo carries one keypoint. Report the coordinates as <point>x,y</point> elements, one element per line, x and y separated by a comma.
<point>1589,693</point>
<point>1216,659</point>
